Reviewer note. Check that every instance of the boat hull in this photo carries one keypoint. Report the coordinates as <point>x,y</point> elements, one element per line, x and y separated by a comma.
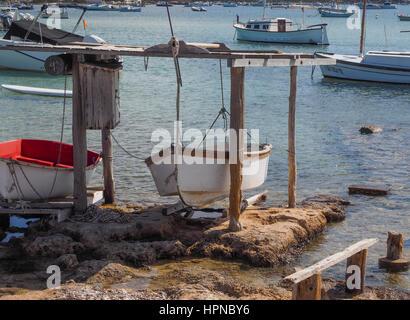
<point>356,69</point>
<point>203,182</point>
<point>39,169</point>
<point>23,60</point>
<point>305,36</point>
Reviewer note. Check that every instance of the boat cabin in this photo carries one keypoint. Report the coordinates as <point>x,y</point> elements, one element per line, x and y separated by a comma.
<point>273,25</point>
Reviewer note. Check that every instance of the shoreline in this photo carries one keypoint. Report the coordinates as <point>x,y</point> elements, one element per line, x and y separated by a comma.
<point>132,253</point>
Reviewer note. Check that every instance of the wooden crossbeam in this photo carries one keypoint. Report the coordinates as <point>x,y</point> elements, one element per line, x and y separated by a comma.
<point>317,268</point>
<point>236,58</point>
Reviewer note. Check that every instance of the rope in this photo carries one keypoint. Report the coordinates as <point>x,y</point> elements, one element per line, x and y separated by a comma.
<point>125,150</point>
<point>61,132</point>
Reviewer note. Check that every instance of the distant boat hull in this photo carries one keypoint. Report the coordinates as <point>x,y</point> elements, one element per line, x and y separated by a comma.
<point>403,17</point>
<point>23,60</point>
<point>314,35</point>
<point>334,14</point>
<point>356,68</point>
<point>38,91</point>
<point>202,183</point>
<point>35,171</point>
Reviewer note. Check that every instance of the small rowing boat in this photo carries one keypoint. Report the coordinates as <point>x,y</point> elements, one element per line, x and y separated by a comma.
<point>39,169</point>
<point>38,91</point>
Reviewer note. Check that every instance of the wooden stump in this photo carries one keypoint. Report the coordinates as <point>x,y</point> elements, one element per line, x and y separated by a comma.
<point>309,289</point>
<point>359,260</point>
<point>394,261</point>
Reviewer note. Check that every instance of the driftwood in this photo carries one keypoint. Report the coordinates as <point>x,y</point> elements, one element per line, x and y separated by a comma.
<point>370,191</point>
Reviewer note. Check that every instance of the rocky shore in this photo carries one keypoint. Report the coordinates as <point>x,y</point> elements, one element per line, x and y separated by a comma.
<point>117,252</point>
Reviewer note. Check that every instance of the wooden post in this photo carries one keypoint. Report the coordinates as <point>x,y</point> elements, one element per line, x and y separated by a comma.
<point>79,141</point>
<point>358,259</point>
<point>291,138</point>
<point>109,186</point>
<point>363,26</point>
<point>237,123</point>
<point>394,260</point>
<point>309,289</point>
<point>4,221</point>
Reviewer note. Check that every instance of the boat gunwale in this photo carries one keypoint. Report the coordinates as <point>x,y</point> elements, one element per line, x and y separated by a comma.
<point>28,164</point>
<point>265,152</point>
<point>323,55</point>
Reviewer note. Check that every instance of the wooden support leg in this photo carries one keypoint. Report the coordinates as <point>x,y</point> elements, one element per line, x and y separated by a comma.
<point>291,139</point>
<point>237,123</point>
<point>358,261</point>
<point>79,142</point>
<point>109,186</point>
<point>4,221</point>
<point>309,289</point>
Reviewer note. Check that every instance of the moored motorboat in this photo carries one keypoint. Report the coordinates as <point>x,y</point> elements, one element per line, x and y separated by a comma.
<point>198,9</point>
<point>335,14</point>
<point>130,9</point>
<point>35,33</point>
<point>39,169</point>
<point>280,30</point>
<point>375,66</point>
<point>404,17</point>
<point>204,177</point>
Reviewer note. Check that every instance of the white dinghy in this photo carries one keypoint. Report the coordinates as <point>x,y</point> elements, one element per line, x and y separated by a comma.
<point>204,176</point>
<point>38,91</point>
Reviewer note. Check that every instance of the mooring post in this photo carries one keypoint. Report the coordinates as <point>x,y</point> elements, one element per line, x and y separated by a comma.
<point>109,186</point>
<point>394,260</point>
<point>236,145</point>
<point>79,141</point>
<point>291,139</point>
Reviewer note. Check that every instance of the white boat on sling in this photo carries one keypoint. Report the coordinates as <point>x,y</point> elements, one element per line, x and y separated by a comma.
<point>204,176</point>
<point>39,169</point>
<point>375,66</point>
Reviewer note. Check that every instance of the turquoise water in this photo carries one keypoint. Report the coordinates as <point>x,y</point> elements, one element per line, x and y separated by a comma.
<point>331,154</point>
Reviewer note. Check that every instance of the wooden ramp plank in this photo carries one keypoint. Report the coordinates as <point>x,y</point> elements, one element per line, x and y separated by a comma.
<point>330,261</point>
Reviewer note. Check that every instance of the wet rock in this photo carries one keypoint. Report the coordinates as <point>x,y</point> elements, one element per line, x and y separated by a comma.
<point>140,253</point>
<point>51,246</point>
<point>369,130</point>
<point>332,207</point>
<point>67,261</point>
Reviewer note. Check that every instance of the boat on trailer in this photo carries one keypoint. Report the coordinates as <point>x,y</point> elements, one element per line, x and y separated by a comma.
<point>39,169</point>
<point>280,30</point>
<point>203,176</point>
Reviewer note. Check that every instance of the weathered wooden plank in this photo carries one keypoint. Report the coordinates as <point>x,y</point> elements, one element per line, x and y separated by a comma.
<point>331,260</point>
<point>236,145</point>
<point>308,289</point>
<point>288,59</point>
<point>292,138</point>
<point>359,260</point>
<point>366,190</point>
<point>257,198</point>
<point>79,140</point>
<point>109,185</point>
<point>274,62</point>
